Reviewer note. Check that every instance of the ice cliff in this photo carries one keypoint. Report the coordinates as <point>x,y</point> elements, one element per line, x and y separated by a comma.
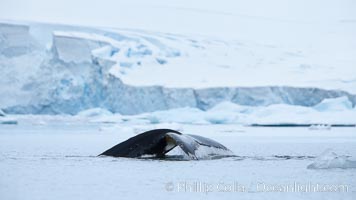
<point>81,70</point>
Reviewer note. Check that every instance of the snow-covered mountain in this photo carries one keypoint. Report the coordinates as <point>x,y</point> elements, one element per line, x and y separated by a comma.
<point>53,69</point>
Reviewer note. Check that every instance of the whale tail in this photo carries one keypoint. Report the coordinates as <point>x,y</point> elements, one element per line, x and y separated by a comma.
<point>158,142</point>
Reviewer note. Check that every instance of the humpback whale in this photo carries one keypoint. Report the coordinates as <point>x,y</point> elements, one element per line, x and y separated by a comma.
<point>159,142</point>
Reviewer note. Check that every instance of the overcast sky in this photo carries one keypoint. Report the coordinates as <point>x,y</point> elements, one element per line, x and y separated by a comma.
<point>212,17</point>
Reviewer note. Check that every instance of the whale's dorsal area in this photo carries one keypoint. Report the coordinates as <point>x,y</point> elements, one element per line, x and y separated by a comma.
<point>158,142</point>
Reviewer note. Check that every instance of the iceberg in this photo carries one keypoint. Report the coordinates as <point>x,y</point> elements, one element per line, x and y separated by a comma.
<point>334,104</point>
<point>94,112</point>
<point>180,115</point>
<point>5,119</point>
<point>329,160</point>
<point>320,127</point>
<point>2,114</point>
<point>230,113</point>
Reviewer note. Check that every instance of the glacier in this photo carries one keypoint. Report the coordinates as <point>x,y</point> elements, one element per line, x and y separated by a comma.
<point>66,70</point>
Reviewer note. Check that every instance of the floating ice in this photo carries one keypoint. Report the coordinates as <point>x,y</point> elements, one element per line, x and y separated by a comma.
<point>320,127</point>
<point>94,112</point>
<point>330,160</point>
<point>5,119</point>
<point>334,104</point>
<point>179,115</point>
<point>230,113</point>
<point>2,114</point>
<point>99,115</point>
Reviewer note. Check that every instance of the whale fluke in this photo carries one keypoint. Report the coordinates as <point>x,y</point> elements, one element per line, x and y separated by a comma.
<point>158,142</point>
